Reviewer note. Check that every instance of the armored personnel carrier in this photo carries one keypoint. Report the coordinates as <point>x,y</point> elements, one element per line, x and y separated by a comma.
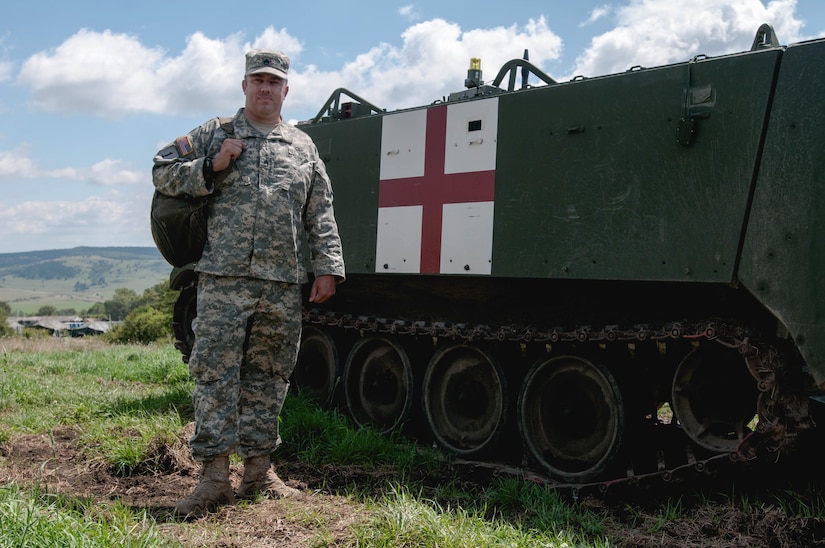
<point>598,279</point>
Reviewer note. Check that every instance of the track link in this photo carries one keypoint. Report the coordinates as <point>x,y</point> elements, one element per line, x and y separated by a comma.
<point>782,408</point>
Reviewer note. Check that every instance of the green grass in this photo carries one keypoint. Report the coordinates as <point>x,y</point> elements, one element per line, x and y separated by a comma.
<point>404,519</point>
<point>317,437</point>
<point>32,307</point>
<point>30,518</point>
<point>127,403</point>
<point>106,388</point>
<point>95,274</point>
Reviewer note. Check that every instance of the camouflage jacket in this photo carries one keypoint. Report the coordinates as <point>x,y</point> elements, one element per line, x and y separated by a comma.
<point>261,207</point>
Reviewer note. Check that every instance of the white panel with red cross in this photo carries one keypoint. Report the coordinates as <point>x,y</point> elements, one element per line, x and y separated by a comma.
<point>436,189</point>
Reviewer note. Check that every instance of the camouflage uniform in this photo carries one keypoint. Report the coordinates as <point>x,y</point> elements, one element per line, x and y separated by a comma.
<point>248,326</point>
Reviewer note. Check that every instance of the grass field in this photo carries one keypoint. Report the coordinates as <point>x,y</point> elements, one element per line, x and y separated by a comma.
<point>93,453</point>
<point>76,278</point>
<point>27,303</point>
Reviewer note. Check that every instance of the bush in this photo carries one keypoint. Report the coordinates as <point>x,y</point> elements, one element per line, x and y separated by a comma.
<point>5,312</point>
<point>143,325</point>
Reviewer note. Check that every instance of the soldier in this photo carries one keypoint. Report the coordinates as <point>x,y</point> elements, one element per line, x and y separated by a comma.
<point>267,187</point>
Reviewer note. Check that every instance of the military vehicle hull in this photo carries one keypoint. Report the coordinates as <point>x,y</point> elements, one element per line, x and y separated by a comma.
<point>595,279</point>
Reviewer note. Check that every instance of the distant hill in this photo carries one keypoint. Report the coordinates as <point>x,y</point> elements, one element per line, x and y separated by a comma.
<point>77,277</point>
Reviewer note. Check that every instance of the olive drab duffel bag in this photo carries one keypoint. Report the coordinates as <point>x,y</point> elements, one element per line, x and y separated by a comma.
<point>179,222</point>
<point>179,227</point>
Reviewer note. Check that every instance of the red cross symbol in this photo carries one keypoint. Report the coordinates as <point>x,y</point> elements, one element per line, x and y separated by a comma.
<point>435,189</point>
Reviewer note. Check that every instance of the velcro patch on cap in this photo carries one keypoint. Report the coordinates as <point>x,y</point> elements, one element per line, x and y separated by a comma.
<point>184,145</point>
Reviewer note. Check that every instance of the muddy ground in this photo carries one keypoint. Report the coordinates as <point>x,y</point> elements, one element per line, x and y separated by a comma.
<point>322,517</point>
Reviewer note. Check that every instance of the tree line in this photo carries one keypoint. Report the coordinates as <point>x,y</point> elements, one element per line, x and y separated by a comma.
<point>145,318</point>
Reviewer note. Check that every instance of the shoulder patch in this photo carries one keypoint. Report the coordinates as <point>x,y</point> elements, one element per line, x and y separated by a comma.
<point>169,153</point>
<point>184,145</point>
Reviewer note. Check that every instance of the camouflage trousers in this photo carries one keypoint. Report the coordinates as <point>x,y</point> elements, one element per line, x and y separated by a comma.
<point>247,334</point>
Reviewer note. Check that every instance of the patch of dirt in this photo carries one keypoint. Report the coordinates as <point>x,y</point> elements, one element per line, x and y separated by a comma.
<point>321,518</point>
<point>55,464</point>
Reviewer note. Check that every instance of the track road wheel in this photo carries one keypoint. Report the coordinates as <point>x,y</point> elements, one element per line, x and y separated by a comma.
<point>378,384</point>
<point>715,397</point>
<point>317,369</point>
<point>571,417</point>
<point>465,400</point>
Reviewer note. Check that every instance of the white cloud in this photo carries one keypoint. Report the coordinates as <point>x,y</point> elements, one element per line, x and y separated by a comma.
<point>94,221</point>
<point>110,172</point>
<point>272,39</point>
<point>16,165</point>
<point>410,12</point>
<point>81,75</point>
<point>651,32</point>
<point>599,12</point>
<point>431,62</point>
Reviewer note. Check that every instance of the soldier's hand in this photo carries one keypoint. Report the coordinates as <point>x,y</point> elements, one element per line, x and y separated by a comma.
<point>230,150</point>
<point>322,289</point>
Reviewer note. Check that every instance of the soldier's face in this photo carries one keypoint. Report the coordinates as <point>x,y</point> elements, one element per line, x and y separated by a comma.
<point>265,94</point>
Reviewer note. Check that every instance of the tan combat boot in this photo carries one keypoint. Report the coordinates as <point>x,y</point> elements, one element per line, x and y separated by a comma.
<point>213,490</point>
<point>259,477</point>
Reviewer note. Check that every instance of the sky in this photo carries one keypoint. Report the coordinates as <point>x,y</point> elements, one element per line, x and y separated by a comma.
<point>90,90</point>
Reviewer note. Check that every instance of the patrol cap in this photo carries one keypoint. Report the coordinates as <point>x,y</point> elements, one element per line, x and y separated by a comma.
<point>267,60</point>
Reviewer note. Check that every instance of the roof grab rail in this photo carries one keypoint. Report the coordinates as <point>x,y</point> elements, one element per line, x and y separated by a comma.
<point>527,68</point>
<point>765,38</point>
<point>332,108</point>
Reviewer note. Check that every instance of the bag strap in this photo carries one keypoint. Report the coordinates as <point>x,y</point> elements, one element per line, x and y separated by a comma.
<point>227,125</point>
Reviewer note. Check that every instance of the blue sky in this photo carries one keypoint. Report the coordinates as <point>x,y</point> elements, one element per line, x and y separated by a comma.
<point>90,90</point>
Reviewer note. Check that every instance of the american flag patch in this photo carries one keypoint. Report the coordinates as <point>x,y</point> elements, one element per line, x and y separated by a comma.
<point>184,145</point>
